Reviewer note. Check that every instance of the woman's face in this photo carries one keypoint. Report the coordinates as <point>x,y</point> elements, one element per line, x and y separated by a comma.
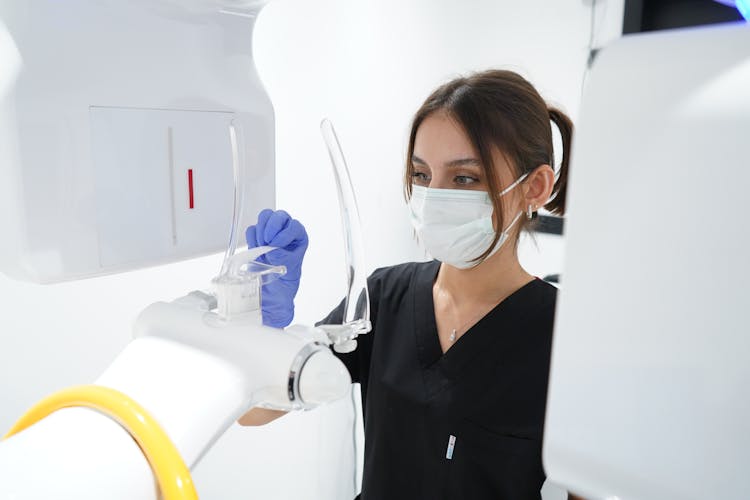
<point>445,158</point>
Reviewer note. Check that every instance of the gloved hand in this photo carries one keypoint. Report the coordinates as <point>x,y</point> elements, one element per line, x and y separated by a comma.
<point>278,229</point>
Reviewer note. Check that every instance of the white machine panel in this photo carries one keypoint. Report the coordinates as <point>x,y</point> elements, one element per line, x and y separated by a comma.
<point>651,356</point>
<point>159,191</point>
<point>107,107</point>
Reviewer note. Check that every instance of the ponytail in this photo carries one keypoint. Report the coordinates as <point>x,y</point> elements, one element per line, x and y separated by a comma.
<point>556,205</point>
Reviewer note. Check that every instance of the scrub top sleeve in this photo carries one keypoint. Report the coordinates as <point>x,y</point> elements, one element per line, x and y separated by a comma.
<point>350,360</point>
<point>335,317</point>
<point>358,361</point>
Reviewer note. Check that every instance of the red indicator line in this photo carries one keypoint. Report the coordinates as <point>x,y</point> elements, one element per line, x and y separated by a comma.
<point>190,188</point>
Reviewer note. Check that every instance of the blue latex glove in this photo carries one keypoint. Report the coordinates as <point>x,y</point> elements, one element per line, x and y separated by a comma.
<point>278,229</point>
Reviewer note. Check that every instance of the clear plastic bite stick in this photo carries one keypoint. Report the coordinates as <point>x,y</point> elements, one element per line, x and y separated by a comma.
<point>238,285</point>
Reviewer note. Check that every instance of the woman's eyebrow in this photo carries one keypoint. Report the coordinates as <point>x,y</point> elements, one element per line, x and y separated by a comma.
<point>462,162</point>
<point>416,159</point>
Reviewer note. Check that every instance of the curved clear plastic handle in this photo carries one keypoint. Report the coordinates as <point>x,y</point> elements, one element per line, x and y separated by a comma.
<point>356,318</point>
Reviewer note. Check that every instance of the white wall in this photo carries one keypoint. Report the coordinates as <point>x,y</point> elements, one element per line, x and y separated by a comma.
<point>367,66</point>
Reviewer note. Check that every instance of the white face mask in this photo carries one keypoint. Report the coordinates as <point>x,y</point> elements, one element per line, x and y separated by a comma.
<point>455,225</point>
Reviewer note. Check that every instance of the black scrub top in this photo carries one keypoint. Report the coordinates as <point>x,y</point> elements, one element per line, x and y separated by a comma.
<point>488,391</point>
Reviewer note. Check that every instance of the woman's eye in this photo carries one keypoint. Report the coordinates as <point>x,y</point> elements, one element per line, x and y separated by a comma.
<point>465,180</point>
<point>420,178</point>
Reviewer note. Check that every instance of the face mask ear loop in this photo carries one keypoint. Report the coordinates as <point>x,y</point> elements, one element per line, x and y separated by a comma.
<point>512,223</point>
<point>503,237</point>
<point>515,183</point>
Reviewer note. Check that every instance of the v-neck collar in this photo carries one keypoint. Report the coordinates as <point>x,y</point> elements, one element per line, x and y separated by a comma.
<point>474,341</point>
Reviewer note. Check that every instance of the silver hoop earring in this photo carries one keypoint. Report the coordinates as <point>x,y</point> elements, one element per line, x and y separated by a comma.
<point>529,212</point>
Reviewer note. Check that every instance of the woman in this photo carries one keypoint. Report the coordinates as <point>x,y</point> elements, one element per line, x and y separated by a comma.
<point>454,373</point>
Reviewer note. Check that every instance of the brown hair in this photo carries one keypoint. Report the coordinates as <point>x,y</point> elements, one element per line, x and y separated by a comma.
<point>499,108</point>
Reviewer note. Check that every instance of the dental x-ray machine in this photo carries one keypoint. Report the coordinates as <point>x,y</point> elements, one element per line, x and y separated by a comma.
<point>133,133</point>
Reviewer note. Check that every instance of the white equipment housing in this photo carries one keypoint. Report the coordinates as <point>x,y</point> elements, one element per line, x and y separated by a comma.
<point>649,376</point>
<point>195,375</point>
<point>115,152</point>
